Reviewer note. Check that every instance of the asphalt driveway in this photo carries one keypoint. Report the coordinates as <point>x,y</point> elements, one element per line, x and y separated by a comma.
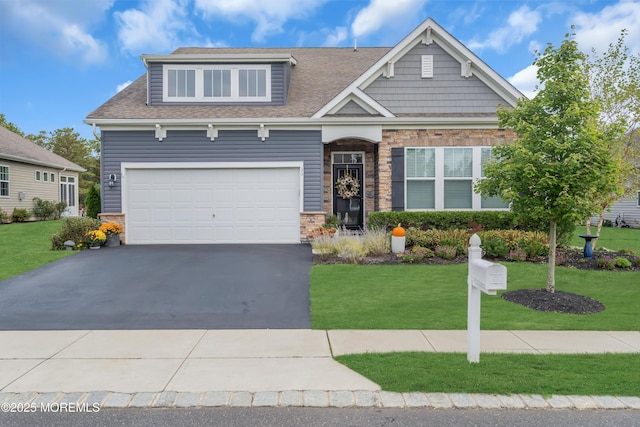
<point>164,287</point>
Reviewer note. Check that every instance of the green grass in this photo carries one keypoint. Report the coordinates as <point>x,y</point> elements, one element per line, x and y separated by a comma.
<point>566,374</point>
<point>25,246</point>
<point>435,297</point>
<point>611,238</point>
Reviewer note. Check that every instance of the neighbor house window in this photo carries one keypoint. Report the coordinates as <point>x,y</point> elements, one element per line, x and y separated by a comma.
<point>440,178</point>
<point>4,181</point>
<point>53,177</point>
<point>217,83</point>
<point>494,202</point>
<point>38,176</point>
<point>45,176</point>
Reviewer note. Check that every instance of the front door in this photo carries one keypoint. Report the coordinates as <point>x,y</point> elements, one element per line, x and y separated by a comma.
<point>348,203</point>
<point>68,194</point>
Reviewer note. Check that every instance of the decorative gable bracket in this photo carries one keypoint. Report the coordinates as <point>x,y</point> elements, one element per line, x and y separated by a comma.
<point>465,69</point>
<point>389,70</point>
<point>263,132</point>
<point>212,132</point>
<point>426,37</point>
<point>160,133</point>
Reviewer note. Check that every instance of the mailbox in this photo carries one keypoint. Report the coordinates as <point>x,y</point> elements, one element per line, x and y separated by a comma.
<point>488,276</point>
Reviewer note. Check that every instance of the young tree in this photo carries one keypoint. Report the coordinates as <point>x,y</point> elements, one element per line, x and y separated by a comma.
<point>92,201</point>
<point>614,83</point>
<point>559,162</point>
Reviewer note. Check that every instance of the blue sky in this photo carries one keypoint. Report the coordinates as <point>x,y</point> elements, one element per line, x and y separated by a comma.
<point>61,59</point>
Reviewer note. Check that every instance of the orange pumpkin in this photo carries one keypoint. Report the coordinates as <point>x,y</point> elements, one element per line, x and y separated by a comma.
<point>398,231</point>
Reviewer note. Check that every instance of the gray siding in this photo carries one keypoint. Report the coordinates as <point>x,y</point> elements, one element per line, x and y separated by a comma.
<point>230,146</point>
<point>629,208</point>
<point>352,108</point>
<point>447,92</point>
<point>278,87</point>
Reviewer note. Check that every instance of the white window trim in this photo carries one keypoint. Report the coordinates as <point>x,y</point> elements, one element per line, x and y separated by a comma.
<point>8,181</point>
<point>476,198</point>
<point>36,177</point>
<point>45,176</point>
<point>235,83</point>
<point>52,177</point>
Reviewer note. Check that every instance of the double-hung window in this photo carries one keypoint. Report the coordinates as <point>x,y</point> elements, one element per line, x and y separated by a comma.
<point>458,178</point>
<point>4,181</point>
<point>441,178</point>
<point>217,83</point>
<point>421,178</point>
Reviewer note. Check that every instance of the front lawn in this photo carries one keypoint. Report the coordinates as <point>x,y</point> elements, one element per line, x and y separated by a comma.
<point>611,238</point>
<point>27,245</point>
<point>435,297</point>
<point>561,374</point>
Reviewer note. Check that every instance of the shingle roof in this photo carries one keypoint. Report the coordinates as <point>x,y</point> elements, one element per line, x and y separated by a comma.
<point>14,147</point>
<point>320,74</point>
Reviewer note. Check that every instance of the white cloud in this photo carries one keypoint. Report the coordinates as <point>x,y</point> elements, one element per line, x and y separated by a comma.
<point>526,81</point>
<point>269,16</point>
<point>158,25</point>
<point>335,37</point>
<point>123,85</point>
<point>61,28</point>
<point>520,23</point>
<point>381,13</point>
<point>598,30</point>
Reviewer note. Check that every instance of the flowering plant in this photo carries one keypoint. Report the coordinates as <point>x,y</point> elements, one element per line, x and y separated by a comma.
<point>347,186</point>
<point>111,228</point>
<point>95,238</point>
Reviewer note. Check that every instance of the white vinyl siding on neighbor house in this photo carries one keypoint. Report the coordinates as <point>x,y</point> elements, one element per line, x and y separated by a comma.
<point>217,83</point>
<point>442,178</point>
<point>4,181</point>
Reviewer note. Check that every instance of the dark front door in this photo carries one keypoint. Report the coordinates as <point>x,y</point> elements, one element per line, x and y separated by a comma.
<point>348,210</point>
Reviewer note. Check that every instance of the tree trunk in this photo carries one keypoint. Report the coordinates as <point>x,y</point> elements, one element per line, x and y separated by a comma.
<point>551,277</point>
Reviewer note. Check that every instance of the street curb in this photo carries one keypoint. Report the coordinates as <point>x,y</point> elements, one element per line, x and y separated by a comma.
<point>78,402</point>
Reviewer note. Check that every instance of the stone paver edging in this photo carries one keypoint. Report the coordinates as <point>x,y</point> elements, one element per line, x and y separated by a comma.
<point>318,399</point>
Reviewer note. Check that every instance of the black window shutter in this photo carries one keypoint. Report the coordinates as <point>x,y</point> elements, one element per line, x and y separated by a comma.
<point>397,179</point>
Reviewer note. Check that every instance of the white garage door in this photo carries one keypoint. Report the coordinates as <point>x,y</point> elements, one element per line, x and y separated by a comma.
<point>245,205</point>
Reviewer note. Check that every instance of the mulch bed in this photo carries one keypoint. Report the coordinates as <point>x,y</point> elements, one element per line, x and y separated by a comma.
<point>536,299</point>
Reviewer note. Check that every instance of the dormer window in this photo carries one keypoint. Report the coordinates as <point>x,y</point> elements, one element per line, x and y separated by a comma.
<point>217,83</point>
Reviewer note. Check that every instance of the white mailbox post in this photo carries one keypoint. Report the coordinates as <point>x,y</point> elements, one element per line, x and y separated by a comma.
<point>484,276</point>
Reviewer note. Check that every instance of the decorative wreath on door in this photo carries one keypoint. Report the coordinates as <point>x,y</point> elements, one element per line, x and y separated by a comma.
<point>347,186</point>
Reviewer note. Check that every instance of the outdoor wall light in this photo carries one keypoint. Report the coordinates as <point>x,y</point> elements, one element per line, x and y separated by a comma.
<point>112,179</point>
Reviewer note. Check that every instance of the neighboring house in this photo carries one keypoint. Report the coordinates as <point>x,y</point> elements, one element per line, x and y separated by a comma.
<point>28,170</point>
<point>218,145</point>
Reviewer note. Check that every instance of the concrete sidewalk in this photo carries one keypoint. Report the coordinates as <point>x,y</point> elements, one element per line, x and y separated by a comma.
<point>259,367</point>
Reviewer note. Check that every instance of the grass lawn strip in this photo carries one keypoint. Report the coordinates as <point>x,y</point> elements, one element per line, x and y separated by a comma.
<point>435,297</point>
<point>566,374</point>
<point>25,246</point>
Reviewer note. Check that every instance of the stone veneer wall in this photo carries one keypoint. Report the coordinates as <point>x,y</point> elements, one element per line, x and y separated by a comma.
<point>309,221</point>
<point>395,138</point>
<point>117,218</point>
<point>369,172</point>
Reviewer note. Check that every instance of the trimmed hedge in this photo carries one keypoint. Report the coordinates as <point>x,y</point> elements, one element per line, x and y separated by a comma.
<point>445,220</point>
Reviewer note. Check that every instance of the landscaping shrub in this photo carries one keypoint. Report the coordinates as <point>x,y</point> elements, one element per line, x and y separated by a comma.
<point>352,245</point>
<point>20,215</point>
<point>623,263</point>
<point>416,254</point>
<point>73,229</point>
<point>607,263</point>
<point>444,220</point>
<point>495,247</point>
<point>4,217</point>
<point>45,209</point>
<point>518,254</point>
<point>446,252</point>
